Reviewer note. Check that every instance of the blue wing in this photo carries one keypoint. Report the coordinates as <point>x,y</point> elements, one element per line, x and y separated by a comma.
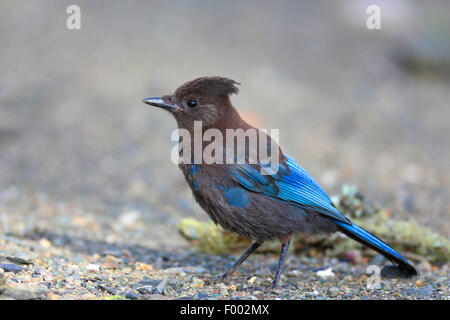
<point>291,184</point>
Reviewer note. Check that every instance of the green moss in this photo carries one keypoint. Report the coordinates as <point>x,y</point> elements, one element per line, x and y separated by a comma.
<point>207,237</point>
<point>408,237</point>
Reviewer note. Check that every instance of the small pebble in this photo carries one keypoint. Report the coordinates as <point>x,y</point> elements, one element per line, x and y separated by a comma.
<point>143,266</point>
<point>11,267</point>
<point>93,267</point>
<point>45,243</point>
<point>20,260</point>
<point>353,256</point>
<point>327,273</point>
<point>162,286</point>
<point>198,281</point>
<point>145,289</point>
<point>252,280</point>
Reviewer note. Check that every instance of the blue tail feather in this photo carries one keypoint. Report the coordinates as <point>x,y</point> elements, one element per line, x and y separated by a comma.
<point>357,233</point>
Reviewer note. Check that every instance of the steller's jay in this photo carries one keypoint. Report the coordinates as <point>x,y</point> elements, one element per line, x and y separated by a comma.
<point>242,197</point>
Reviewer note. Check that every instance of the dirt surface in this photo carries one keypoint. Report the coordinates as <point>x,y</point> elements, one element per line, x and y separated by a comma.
<point>89,199</point>
<point>49,266</point>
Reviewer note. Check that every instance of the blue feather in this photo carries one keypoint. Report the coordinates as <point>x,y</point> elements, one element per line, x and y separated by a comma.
<point>357,233</point>
<point>364,235</point>
<point>236,197</point>
<point>193,169</point>
<point>291,184</point>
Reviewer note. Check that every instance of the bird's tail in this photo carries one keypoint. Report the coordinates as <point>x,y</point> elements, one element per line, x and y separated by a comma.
<point>366,238</point>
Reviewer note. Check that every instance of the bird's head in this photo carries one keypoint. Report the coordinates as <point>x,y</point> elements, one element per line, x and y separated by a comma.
<point>204,99</point>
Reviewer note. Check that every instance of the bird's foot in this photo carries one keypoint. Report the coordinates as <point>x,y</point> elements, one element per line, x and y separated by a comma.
<point>224,275</point>
<point>219,278</point>
<point>273,286</point>
<point>271,289</point>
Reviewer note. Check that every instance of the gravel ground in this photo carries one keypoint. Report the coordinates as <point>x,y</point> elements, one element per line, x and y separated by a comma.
<point>94,256</point>
<point>89,200</point>
<point>49,266</point>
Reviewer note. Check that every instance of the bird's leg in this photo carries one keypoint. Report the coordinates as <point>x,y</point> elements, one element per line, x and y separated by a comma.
<point>255,245</point>
<point>285,241</point>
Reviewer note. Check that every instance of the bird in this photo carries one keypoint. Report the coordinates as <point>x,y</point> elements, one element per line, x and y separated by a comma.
<point>247,198</point>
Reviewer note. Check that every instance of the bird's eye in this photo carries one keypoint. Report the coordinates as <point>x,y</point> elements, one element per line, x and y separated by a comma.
<point>192,103</point>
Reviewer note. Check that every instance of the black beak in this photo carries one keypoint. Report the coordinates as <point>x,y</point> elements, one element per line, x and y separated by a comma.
<point>158,102</point>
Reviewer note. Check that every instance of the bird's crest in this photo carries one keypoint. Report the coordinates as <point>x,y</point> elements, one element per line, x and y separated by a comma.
<point>217,86</point>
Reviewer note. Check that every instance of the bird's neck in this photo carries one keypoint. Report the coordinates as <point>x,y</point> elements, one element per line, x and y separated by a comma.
<point>231,119</point>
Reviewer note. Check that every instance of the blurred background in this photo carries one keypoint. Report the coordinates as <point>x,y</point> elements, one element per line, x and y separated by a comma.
<point>80,153</point>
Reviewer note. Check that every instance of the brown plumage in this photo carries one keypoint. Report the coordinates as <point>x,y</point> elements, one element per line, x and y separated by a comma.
<point>237,196</point>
